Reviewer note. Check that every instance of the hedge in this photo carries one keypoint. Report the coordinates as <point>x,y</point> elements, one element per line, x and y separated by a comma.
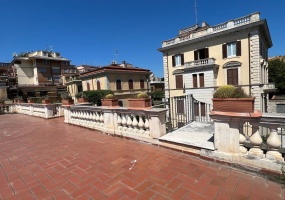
<point>95,96</point>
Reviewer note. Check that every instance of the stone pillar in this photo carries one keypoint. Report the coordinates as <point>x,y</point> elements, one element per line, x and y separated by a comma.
<point>226,133</point>
<point>157,125</point>
<point>110,120</point>
<point>66,111</point>
<point>256,141</point>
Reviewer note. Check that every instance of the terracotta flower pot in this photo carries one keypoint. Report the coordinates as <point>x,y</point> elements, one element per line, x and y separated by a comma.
<point>46,101</point>
<point>241,105</point>
<point>83,100</point>
<point>31,101</point>
<point>110,102</point>
<point>139,103</point>
<point>67,101</point>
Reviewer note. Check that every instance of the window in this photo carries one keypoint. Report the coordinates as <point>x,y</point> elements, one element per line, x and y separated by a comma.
<point>42,70</point>
<point>142,84</point>
<point>64,62</point>
<point>180,106</point>
<point>43,93</point>
<point>47,62</point>
<point>195,82</point>
<point>79,88</point>
<point>178,60</point>
<point>201,80</point>
<point>56,77</point>
<point>232,76</point>
<point>56,70</point>
<point>179,81</point>
<point>118,85</point>
<point>131,84</point>
<point>232,49</point>
<point>88,85</point>
<point>98,85</point>
<point>201,54</point>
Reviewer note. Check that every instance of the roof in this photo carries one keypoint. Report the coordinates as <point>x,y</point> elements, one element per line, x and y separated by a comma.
<point>115,68</point>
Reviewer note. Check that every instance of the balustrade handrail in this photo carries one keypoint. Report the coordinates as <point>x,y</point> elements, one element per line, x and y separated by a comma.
<point>200,62</point>
<point>210,30</point>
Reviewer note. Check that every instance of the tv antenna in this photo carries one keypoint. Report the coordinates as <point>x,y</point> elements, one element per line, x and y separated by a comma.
<point>116,55</point>
<point>196,14</point>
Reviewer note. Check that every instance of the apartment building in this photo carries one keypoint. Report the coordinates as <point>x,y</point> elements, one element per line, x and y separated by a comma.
<point>201,58</point>
<point>40,73</point>
<point>123,79</point>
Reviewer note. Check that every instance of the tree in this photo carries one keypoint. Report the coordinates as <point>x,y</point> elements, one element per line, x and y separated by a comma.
<point>276,74</point>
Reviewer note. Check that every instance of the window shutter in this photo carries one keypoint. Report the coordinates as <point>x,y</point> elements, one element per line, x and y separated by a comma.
<point>206,51</point>
<point>225,51</point>
<point>238,48</point>
<point>195,55</point>
<point>179,81</point>
<point>182,59</point>
<point>232,76</point>
<point>201,79</point>
<point>194,80</point>
<point>203,109</point>
<point>173,61</point>
<point>142,84</point>
<point>180,106</point>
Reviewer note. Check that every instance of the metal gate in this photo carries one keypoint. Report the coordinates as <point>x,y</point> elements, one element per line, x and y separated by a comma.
<point>186,109</point>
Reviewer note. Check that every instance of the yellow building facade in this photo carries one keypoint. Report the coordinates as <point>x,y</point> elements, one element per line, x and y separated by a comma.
<point>124,81</point>
<point>202,58</point>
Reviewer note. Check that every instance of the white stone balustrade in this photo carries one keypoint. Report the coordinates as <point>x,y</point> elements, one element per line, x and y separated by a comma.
<point>46,111</point>
<point>202,62</point>
<point>137,124</point>
<point>231,137</point>
<point>211,30</point>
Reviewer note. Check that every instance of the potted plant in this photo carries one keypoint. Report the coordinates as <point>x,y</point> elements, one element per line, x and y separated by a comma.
<point>229,98</point>
<point>82,98</point>
<point>46,100</point>
<point>31,99</point>
<point>66,99</point>
<point>142,101</point>
<point>20,99</point>
<point>109,100</point>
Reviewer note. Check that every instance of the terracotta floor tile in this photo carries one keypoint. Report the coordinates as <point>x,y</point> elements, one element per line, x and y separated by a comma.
<point>48,159</point>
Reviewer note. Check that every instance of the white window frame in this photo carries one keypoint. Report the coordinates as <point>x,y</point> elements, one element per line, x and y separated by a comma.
<point>178,60</point>
<point>231,49</point>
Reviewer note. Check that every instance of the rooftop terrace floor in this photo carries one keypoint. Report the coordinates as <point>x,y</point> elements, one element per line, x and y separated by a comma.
<point>48,159</point>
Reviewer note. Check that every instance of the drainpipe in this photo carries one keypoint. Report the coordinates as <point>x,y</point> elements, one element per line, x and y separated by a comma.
<point>249,75</point>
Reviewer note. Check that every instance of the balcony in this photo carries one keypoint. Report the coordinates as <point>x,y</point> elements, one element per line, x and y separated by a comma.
<point>72,79</point>
<point>269,87</point>
<point>192,34</point>
<point>199,63</point>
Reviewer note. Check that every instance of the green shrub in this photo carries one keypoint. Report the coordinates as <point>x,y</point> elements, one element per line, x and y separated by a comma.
<point>109,96</point>
<point>229,91</point>
<point>142,95</point>
<point>95,96</point>
<point>78,95</point>
<point>65,95</point>
<point>157,95</point>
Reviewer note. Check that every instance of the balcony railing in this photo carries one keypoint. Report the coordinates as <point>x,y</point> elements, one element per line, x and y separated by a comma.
<point>269,87</point>
<point>139,123</point>
<point>202,62</point>
<point>211,30</point>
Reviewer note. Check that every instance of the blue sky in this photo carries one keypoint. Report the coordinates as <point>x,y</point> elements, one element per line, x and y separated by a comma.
<point>90,31</point>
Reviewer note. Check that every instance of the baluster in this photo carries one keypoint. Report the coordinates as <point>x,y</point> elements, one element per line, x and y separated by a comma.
<point>242,139</point>
<point>129,123</point>
<point>274,143</point>
<point>101,119</point>
<point>141,125</point>
<point>256,141</point>
<point>93,119</point>
<point>135,124</point>
<point>97,118</point>
<point>119,122</point>
<point>146,125</point>
<point>124,122</point>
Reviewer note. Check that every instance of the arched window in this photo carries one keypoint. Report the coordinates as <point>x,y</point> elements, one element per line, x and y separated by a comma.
<point>142,84</point>
<point>131,84</point>
<point>88,85</point>
<point>119,85</point>
<point>98,85</point>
